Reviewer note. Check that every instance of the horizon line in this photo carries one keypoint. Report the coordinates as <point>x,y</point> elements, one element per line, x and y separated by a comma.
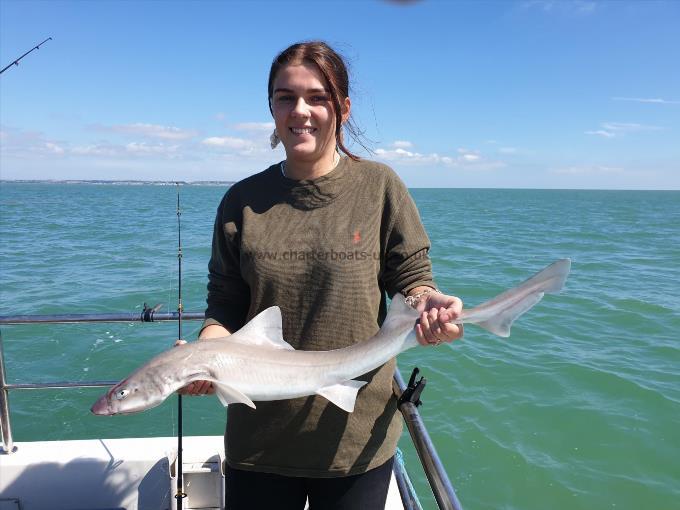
<point>218,182</point>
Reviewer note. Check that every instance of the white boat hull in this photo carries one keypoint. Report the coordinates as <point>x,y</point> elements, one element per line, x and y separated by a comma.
<point>108,474</point>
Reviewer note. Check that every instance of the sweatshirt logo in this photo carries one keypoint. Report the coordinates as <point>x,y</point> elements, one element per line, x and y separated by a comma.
<point>356,238</point>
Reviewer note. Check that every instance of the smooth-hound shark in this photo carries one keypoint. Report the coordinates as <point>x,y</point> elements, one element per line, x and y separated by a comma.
<point>257,364</point>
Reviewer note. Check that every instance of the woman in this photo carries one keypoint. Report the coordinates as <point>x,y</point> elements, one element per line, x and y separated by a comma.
<point>326,238</point>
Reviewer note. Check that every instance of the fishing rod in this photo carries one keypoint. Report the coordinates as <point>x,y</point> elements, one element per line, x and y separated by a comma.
<point>180,495</point>
<point>16,62</point>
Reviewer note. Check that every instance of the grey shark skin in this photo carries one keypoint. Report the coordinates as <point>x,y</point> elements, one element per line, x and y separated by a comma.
<point>257,364</point>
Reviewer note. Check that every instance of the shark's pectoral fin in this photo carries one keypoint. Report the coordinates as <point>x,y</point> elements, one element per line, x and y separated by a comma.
<point>229,395</point>
<point>343,394</point>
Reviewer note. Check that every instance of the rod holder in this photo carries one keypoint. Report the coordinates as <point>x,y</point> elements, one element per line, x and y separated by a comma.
<point>443,491</point>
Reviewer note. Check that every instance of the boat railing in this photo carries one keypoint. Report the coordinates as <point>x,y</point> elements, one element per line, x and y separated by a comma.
<point>437,477</point>
<point>146,315</point>
<point>441,486</point>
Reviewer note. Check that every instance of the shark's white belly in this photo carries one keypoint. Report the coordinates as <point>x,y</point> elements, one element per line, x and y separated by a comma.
<point>284,374</point>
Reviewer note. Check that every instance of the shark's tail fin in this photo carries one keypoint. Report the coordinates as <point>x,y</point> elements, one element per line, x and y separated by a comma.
<point>498,314</point>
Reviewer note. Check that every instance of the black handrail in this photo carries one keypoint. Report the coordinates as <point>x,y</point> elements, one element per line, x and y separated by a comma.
<point>146,315</point>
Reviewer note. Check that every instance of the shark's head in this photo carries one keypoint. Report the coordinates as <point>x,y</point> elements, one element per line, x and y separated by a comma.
<point>129,396</point>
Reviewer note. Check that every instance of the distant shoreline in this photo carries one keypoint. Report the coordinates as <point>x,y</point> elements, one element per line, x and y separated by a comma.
<point>133,182</point>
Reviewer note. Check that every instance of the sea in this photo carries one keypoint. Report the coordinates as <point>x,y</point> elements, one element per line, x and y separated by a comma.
<point>578,409</point>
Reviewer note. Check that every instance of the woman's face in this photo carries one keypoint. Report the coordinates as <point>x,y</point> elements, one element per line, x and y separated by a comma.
<point>303,114</point>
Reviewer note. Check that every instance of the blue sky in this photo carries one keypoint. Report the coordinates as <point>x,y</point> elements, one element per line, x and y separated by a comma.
<point>528,94</point>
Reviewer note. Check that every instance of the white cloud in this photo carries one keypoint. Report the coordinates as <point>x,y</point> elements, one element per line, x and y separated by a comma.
<point>614,129</point>
<point>468,155</point>
<point>255,139</point>
<point>222,157</point>
<point>130,150</point>
<point>601,132</point>
<point>628,127</point>
<point>234,146</point>
<point>404,155</point>
<point>144,149</point>
<point>505,149</point>
<point>228,142</point>
<point>402,144</point>
<point>145,142</point>
<point>465,159</point>
<point>255,126</point>
<point>54,148</point>
<point>28,144</point>
<point>151,131</point>
<point>98,149</point>
<point>655,100</point>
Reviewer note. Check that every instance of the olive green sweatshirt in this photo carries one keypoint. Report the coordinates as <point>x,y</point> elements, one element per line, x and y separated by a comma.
<point>326,251</point>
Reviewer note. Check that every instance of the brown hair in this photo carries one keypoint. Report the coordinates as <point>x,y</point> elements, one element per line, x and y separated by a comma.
<point>334,71</point>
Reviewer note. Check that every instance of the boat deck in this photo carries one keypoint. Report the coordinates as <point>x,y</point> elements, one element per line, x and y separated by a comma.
<point>108,474</point>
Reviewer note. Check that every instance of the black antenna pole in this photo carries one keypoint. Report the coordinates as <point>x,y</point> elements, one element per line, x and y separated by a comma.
<point>180,308</point>
<point>16,62</point>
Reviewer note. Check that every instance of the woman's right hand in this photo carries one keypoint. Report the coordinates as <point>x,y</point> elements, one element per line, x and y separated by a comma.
<point>195,388</point>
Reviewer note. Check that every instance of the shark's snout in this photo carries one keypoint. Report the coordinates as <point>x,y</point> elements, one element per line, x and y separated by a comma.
<point>101,407</point>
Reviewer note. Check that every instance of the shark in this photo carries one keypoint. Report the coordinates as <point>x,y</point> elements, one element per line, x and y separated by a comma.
<point>256,364</point>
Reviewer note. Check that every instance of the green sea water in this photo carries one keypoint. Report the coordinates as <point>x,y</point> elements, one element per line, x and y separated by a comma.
<point>578,409</point>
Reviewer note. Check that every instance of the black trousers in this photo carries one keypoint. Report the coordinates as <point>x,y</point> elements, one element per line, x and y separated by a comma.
<point>248,490</point>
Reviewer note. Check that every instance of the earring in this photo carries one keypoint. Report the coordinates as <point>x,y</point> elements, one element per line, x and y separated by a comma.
<point>274,139</point>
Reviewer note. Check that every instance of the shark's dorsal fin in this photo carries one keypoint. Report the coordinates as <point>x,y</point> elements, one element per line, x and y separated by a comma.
<point>263,330</point>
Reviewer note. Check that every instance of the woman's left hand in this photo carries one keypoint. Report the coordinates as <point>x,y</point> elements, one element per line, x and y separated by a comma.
<point>436,310</point>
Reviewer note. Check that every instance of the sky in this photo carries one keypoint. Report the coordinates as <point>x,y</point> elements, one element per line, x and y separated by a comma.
<point>526,94</point>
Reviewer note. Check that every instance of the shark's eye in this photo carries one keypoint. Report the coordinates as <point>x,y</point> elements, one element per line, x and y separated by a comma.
<point>121,394</point>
